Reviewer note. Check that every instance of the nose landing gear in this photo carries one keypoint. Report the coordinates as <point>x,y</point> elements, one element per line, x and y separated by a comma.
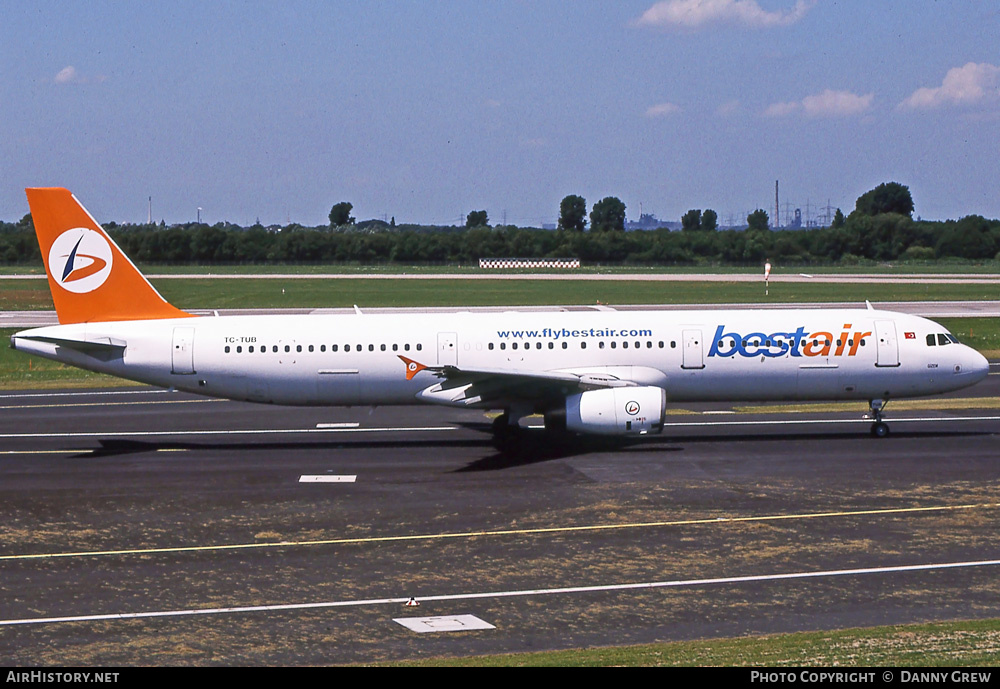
<point>880,429</point>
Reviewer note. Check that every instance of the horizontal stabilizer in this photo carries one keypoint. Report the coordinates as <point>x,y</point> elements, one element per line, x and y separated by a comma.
<point>103,348</point>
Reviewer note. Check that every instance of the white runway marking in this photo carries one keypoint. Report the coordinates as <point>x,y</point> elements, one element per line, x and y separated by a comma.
<point>328,478</point>
<point>444,623</point>
<point>345,424</point>
<point>789,422</point>
<point>55,405</point>
<point>522,593</point>
<point>86,392</point>
<point>250,431</point>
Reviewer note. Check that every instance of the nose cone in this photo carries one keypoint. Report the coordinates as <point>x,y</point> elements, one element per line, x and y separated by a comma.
<point>972,367</point>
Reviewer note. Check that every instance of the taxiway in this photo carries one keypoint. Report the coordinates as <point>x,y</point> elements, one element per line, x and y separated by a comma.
<point>146,527</point>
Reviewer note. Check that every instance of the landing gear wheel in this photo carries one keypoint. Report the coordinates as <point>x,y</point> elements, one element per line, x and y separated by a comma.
<point>505,435</point>
<point>501,424</point>
<point>880,429</point>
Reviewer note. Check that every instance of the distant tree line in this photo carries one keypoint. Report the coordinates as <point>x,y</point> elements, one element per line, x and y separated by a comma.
<point>880,228</point>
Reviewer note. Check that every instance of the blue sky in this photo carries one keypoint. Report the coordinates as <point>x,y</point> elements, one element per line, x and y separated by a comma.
<point>427,110</point>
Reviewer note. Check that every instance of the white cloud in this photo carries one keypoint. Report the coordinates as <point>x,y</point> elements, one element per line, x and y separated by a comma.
<point>662,110</point>
<point>729,108</point>
<point>782,109</point>
<point>829,103</point>
<point>694,14</point>
<point>967,85</point>
<point>67,75</point>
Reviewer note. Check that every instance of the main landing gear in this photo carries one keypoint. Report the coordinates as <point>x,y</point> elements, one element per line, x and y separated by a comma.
<point>880,428</point>
<point>507,432</point>
<point>510,436</point>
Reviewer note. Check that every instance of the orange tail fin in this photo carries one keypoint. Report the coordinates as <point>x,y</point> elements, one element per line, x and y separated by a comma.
<point>89,276</point>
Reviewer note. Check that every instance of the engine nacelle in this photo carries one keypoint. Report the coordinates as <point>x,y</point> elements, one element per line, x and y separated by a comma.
<point>617,411</point>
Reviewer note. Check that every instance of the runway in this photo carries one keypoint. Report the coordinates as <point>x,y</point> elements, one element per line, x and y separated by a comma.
<point>142,527</point>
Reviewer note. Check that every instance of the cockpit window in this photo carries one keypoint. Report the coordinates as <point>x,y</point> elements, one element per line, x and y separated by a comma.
<point>953,338</point>
<point>943,339</point>
<point>930,340</point>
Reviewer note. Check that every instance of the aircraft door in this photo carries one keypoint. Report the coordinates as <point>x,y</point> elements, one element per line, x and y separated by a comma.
<point>693,351</point>
<point>182,355</point>
<point>887,349</point>
<point>447,349</point>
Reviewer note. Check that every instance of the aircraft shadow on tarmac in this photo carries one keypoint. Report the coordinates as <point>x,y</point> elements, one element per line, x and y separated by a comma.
<point>534,446</point>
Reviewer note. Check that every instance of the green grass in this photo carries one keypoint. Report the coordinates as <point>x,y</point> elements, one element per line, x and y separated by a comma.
<point>982,334</point>
<point>306,293</point>
<point>949,644</point>
<point>208,293</point>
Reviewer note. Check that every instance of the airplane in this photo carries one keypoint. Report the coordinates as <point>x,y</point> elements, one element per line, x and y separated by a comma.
<point>607,373</point>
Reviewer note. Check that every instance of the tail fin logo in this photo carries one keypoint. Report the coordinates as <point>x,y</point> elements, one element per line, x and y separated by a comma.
<point>80,260</point>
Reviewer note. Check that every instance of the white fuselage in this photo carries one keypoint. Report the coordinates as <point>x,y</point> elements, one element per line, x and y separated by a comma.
<point>693,355</point>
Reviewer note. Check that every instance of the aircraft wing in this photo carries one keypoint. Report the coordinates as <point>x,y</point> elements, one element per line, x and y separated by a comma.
<point>487,387</point>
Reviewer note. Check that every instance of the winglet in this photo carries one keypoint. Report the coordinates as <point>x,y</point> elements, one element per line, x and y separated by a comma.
<point>412,367</point>
<point>90,278</point>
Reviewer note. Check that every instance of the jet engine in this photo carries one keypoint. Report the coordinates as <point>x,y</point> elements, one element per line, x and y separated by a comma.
<point>617,411</point>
